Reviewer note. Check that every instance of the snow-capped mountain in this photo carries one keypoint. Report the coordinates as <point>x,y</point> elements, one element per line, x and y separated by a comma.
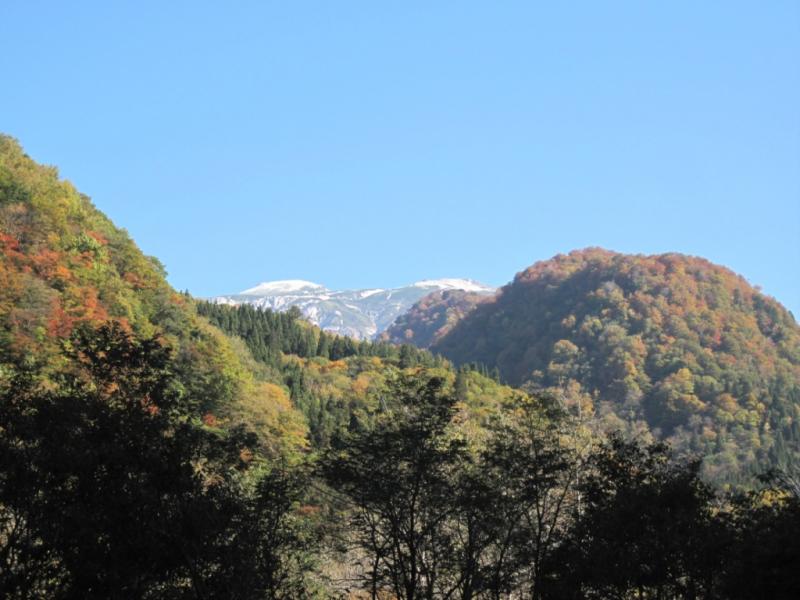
<point>356,313</point>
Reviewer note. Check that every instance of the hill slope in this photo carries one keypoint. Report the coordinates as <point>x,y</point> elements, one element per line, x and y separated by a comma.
<point>670,344</point>
<point>64,264</point>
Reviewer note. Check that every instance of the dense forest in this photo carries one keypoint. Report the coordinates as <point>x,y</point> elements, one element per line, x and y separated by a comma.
<point>670,346</point>
<point>155,446</point>
<point>269,335</point>
<point>338,383</point>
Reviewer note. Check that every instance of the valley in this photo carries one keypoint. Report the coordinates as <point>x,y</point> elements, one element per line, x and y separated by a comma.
<point>601,416</point>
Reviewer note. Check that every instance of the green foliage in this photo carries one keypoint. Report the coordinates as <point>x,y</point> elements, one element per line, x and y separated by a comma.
<point>646,523</point>
<point>535,513</point>
<point>338,383</point>
<point>269,335</point>
<point>125,470</point>
<point>145,454</point>
<point>401,477</point>
<point>109,488</point>
<point>764,558</point>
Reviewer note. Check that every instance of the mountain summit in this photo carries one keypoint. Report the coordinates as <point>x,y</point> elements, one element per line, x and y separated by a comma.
<point>668,344</point>
<point>280,288</point>
<point>362,313</point>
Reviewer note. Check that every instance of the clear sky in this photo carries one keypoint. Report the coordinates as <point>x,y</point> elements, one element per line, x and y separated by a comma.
<point>362,144</point>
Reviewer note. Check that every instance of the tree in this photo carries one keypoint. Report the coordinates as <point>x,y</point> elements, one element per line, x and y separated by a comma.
<point>764,561</point>
<point>646,527</point>
<point>400,480</point>
<point>533,476</point>
<point>109,489</point>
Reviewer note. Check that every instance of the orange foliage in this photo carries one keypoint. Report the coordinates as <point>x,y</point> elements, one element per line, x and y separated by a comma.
<point>98,237</point>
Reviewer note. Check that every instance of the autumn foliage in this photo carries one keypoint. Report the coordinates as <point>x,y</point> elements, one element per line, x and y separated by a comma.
<point>668,345</point>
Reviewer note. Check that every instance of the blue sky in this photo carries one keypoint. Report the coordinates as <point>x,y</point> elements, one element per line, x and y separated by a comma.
<point>363,144</point>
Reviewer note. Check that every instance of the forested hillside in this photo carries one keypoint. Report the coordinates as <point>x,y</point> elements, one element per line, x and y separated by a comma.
<point>155,446</point>
<point>670,344</point>
<point>64,265</point>
<point>341,384</point>
<point>131,426</point>
<point>442,484</point>
<point>141,450</point>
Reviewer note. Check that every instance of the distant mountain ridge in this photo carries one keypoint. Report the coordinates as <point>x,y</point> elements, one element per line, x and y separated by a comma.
<point>363,313</point>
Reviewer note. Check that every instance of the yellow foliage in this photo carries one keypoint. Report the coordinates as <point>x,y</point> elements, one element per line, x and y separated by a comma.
<point>267,409</point>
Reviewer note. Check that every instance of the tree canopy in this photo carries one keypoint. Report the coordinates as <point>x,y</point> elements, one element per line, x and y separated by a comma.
<point>669,344</point>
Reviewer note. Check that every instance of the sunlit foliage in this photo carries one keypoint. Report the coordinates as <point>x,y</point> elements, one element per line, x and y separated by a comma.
<point>670,344</point>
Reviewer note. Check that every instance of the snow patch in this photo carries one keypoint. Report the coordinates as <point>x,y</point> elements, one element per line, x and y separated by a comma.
<point>286,286</point>
<point>359,313</point>
<point>368,293</point>
<point>468,285</point>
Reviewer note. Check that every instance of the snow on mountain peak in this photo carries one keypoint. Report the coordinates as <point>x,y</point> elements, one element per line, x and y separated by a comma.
<point>285,286</point>
<point>468,285</point>
<point>361,313</point>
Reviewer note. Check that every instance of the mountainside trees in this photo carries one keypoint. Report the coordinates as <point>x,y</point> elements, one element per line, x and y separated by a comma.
<point>270,334</point>
<point>340,384</point>
<point>530,513</point>
<point>647,524</point>
<point>669,344</point>
<point>109,490</point>
<point>131,461</point>
<point>146,454</point>
<point>63,264</point>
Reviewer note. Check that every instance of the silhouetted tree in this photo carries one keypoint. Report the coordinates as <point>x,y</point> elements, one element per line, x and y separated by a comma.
<point>400,479</point>
<point>764,561</point>
<point>646,528</point>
